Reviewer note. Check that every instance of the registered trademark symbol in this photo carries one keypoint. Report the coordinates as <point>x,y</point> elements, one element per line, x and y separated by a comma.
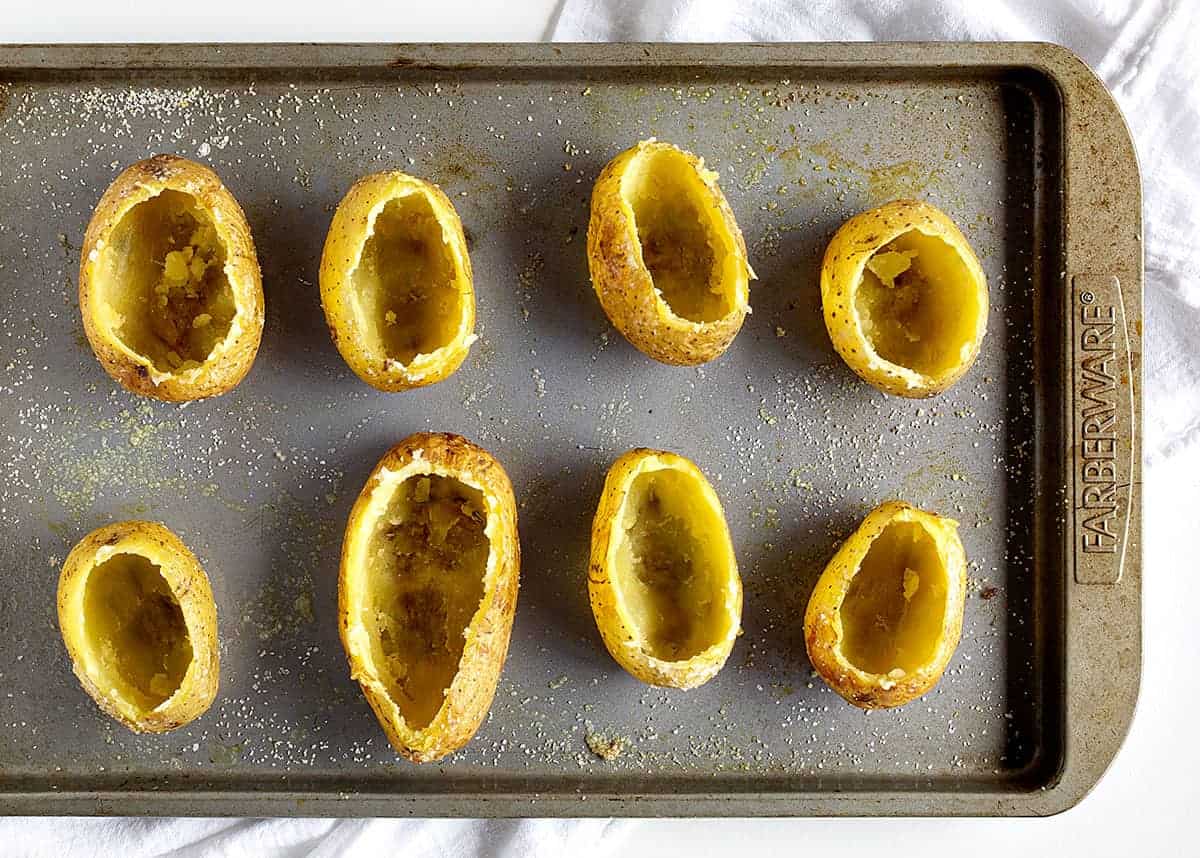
<point>1086,297</point>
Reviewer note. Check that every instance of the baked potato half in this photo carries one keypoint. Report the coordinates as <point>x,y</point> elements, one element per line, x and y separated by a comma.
<point>663,579</point>
<point>428,589</point>
<point>666,257</point>
<point>396,282</point>
<point>904,297</point>
<point>887,612</point>
<point>138,618</point>
<point>169,285</point>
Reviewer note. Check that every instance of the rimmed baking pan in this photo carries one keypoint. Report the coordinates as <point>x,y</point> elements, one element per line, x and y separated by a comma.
<point>1036,451</point>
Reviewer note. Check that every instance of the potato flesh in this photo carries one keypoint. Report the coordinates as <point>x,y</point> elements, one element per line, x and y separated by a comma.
<point>135,628</point>
<point>405,284</point>
<point>676,229</point>
<point>892,612</point>
<point>917,304</point>
<point>426,564</point>
<point>163,275</point>
<point>670,579</point>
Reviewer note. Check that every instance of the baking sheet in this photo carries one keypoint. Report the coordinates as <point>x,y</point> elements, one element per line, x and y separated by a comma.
<point>259,482</point>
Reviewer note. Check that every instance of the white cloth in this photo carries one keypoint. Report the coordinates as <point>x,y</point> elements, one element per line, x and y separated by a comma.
<point>1143,51</point>
<point>316,838</point>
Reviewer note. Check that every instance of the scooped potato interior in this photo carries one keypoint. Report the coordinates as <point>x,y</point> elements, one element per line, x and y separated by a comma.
<point>163,277</point>
<point>665,570</point>
<point>677,227</point>
<point>405,282</point>
<point>916,303</point>
<point>892,612</point>
<point>427,558</point>
<point>134,626</point>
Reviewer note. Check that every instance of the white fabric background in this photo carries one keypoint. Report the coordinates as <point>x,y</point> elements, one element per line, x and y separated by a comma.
<point>1145,52</point>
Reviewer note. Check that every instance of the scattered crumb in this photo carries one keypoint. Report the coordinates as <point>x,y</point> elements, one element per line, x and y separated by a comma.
<point>605,748</point>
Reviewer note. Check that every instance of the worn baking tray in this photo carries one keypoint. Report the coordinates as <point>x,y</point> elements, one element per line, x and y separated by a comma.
<point>1035,451</point>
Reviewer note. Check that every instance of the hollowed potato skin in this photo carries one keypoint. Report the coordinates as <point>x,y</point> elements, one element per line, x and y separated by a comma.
<point>620,639</point>
<point>230,363</point>
<point>822,622</point>
<point>474,685</point>
<point>842,267</point>
<point>188,583</point>
<point>344,244</point>
<point>624,284</point>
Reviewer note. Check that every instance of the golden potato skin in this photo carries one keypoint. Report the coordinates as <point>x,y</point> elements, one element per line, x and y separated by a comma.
<point>188,583</point>
<point>842,268</point>
<point>226,367</point>
<point>470,693</point>
<point>616,632</point>
<point>823,626</point>
<point>624,285</point>
<point>344,243</point>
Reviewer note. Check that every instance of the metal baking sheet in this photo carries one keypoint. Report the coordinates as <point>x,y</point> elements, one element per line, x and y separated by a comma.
<point>1020,144</point>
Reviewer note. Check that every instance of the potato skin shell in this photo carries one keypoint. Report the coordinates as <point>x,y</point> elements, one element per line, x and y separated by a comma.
<point>189,584</point>
<point>822,627</point>
<point>344,243</point>
<point>614,631</point>
<point>136,184</point>
<point>474,685</point>
<point>624,284</point>
<point>842,267</point>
